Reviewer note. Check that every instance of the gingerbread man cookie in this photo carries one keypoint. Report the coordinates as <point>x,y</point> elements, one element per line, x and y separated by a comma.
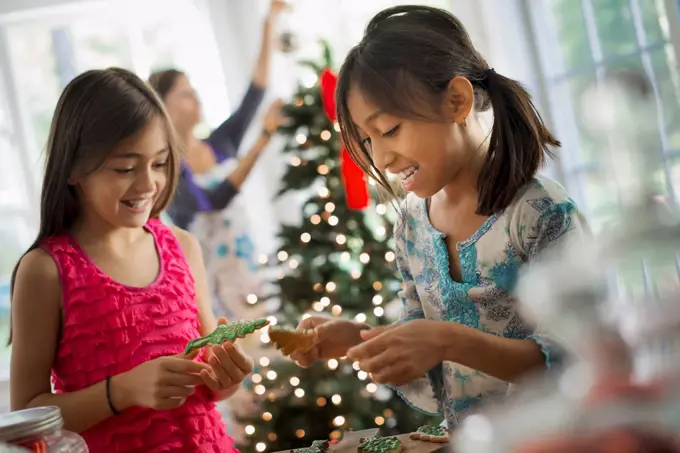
<point>227,332</point>
<point>289,340</point>
<point>429,433</point>
<point>380,445</point>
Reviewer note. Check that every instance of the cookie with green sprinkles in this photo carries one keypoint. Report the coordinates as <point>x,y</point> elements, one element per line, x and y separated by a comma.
<point>430,433</point>
<point>318,446</point>
<point>380,445</point>
<point>227,332</point>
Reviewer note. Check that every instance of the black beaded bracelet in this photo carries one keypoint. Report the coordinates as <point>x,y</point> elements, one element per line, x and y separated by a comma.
<point>108,396</point>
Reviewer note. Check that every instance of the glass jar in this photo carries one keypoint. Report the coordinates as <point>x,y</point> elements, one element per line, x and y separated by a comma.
<point>40,430</point>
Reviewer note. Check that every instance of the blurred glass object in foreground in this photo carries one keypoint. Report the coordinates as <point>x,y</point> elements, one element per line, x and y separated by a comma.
<point>613,340</point>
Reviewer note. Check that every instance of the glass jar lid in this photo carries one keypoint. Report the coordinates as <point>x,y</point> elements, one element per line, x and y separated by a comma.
<point>29,422</point>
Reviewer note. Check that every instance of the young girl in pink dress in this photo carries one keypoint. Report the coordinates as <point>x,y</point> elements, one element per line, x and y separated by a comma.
<point>106,299</point>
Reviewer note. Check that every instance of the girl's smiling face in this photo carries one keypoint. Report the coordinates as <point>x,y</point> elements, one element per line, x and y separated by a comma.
<point>123,192</point>
<point>424,155</point>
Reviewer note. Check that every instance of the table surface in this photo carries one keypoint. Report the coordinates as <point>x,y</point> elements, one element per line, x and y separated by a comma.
<point>350,443</point>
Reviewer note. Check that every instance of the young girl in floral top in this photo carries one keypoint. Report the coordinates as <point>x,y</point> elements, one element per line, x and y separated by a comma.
<point>475,214</point>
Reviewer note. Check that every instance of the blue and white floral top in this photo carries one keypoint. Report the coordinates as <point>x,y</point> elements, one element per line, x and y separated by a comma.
<point>541,216</point>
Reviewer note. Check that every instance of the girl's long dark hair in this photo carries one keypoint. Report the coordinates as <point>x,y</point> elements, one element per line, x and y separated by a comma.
<point>406,59</point>
<point>96,111</point>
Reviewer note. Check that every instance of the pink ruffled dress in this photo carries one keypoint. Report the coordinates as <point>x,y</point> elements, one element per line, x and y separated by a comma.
<point>110,328</point>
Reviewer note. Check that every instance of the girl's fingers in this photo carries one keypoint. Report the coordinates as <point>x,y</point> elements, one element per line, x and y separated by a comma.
<point>223,367</point>
<point>210,381</point>
<point>396,375</point>
<point>377,363</point>
<point>239,358</point>
<point>175,391</point>
<point>181,379</point>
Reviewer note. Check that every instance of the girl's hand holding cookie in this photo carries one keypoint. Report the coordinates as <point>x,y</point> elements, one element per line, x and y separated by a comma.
<point>229,365</point>
<point>162,383</point>
<point>399,353</point>
<point>333,338</point>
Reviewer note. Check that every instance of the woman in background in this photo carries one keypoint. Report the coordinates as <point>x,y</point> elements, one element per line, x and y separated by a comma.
<point>211,176</point>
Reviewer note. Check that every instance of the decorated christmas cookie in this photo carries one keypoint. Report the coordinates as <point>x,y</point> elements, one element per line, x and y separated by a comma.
<point>289,340</point>
<point>318,446</point>
<point>227,332</point>
<point>429,433</point>
<point>380,445</point>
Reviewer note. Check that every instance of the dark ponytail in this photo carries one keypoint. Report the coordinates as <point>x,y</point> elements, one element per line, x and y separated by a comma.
<point>415,51</point>
<point>518,144</point>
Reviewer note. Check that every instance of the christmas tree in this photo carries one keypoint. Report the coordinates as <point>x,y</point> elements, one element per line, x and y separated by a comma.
<point>337,262</point>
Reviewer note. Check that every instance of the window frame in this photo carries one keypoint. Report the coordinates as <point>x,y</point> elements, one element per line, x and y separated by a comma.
<point>560,108</point>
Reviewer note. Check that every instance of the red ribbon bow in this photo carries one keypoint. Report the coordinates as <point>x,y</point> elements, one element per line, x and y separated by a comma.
<point>356,190</point>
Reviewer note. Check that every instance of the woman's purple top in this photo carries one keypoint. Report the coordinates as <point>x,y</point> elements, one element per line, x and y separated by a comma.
<point>225,141</point>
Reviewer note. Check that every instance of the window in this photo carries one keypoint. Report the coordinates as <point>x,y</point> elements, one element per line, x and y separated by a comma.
<point>578,40</point>
<point>46,52</point>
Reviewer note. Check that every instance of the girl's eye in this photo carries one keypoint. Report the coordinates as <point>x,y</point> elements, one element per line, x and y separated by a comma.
<point>392,132</point>
<point>160,165</point>
<point>123,170</point>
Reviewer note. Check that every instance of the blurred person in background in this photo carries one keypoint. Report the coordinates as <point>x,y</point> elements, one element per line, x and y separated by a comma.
<point>212,174</point>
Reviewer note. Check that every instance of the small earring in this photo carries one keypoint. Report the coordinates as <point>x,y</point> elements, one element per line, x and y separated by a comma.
<point>464,122</point>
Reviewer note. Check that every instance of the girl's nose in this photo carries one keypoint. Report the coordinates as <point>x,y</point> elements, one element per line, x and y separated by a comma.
<point>146,182</point>
<point>382,157</point>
